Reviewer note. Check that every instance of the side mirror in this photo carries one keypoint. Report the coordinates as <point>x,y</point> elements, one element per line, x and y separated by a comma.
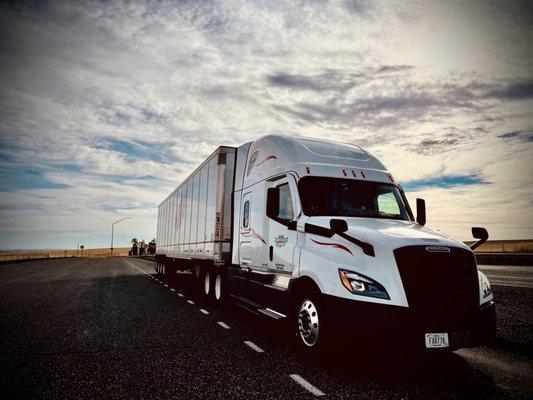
<point>481,234</point>
<point>338,225</point>
<point>421,211</point>
<point>272,206</point>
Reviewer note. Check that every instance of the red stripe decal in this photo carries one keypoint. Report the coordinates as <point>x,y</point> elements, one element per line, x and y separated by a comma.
<point>336,245</point>
<point>270,157</point>
<point>254,234</point>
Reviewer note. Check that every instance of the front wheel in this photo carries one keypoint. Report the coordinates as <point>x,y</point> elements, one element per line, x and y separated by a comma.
<point>309,323</point>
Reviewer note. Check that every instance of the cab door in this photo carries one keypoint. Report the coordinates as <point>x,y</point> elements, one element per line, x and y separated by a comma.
<point>282,211</point>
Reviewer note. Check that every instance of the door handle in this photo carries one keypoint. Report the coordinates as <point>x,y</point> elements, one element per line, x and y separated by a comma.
<point>271,252</point>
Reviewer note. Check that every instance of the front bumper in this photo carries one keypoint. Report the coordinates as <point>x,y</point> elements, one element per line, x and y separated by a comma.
<point>384,324</point>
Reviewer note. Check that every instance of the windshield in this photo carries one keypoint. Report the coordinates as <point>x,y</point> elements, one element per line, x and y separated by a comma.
<point>351,198</point>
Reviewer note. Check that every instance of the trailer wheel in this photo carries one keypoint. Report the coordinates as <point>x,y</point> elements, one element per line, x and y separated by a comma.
<point>220,289</point>
<point>197,271</point>
<point>207,283</point>
<point>169,269</point>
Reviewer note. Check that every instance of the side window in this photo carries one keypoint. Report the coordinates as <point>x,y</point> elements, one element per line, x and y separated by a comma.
<point>387,204</point>
<point>285,203</point>
<point>246,214</point>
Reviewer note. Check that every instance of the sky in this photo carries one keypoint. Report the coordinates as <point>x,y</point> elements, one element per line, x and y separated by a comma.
<point>105,107</point>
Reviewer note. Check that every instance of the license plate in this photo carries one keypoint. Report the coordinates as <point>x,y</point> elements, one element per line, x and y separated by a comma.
<point>436,340</point>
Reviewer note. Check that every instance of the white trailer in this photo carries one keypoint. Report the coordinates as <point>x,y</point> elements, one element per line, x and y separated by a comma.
<point>319,233</point>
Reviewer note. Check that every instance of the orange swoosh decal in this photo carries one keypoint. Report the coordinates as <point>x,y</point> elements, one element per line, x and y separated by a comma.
<point>271,157</point>
<point>254,234</point>
<point>336,245</point>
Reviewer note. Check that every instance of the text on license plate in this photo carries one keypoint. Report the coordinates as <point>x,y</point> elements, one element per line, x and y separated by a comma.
<point>436,340</point>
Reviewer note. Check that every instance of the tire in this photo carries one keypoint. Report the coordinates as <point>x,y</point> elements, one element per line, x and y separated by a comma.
<point>308,322</point>
<point>207,284</point>
<point>169,269</point>
<point>219,287</point>
<point>197,271</point>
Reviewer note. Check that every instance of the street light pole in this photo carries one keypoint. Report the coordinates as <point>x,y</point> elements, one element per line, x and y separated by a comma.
<point>113,229</point>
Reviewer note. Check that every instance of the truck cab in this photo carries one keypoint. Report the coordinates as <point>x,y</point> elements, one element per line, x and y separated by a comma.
<point>324,237</point>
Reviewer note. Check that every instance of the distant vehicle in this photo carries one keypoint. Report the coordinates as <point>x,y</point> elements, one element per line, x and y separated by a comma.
<point>319,233</point>
<point>151,246</point>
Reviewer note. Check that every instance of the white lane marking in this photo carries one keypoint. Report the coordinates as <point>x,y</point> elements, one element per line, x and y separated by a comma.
<point>204,311</point>
<point>172,290</point>
<point>223,325</point>
<point>510,277</point>
<point>190,301</point>
<point>166,285</point>
<point>253,346</point>
<point>511,284</point>
<point>134,266</point>
<point>180,295</point>
<point>506,268</point>
<point>306,385</point>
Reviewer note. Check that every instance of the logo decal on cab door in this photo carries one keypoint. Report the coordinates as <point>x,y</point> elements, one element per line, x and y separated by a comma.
<point>281,240</point>
<point>336,245</point>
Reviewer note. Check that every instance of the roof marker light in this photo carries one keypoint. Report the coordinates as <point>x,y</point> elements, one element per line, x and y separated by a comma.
<point>362,173</point>
<point>308,170</point>
<point>354,174</point>
<point>344,172</point>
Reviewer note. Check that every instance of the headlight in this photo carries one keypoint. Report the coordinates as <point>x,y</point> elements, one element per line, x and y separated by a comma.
<point>487,290</point>
<point>362,285</point>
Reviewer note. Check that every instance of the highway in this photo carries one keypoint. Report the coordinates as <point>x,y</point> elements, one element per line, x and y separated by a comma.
<point>507,275</point>
<point>111,328</point>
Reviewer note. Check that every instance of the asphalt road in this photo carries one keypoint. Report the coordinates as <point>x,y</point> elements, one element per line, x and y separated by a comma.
<point>509,275</point>
<point>106,328</point>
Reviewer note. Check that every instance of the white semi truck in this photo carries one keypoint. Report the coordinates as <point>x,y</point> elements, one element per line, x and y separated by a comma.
<point>320,234</point>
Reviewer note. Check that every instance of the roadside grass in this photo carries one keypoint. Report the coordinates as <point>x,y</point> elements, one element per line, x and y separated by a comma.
<point>55,253</point>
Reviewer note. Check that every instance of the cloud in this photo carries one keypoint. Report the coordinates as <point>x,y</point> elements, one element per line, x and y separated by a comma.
<point>513,91</point>
<point>106,107</point>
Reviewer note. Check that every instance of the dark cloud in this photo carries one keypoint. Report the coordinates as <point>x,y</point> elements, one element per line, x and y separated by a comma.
<point>517,135</point>
<point>329,80</point>
<point>446,140</point>
<point>432,146</point>
<point>383,102</point>
<point>394,68</point>
<point>513,91</point>
<point>510,135</point>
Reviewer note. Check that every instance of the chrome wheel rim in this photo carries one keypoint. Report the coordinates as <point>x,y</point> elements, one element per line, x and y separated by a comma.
<point>218,286</point>
<point>207,282</point>
<point>308,324</point>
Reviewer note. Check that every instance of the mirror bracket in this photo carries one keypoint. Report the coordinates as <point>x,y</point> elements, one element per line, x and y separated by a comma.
<point>481,234</point>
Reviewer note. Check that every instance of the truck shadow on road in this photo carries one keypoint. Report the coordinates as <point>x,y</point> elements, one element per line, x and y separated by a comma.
<point>363,365</point>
